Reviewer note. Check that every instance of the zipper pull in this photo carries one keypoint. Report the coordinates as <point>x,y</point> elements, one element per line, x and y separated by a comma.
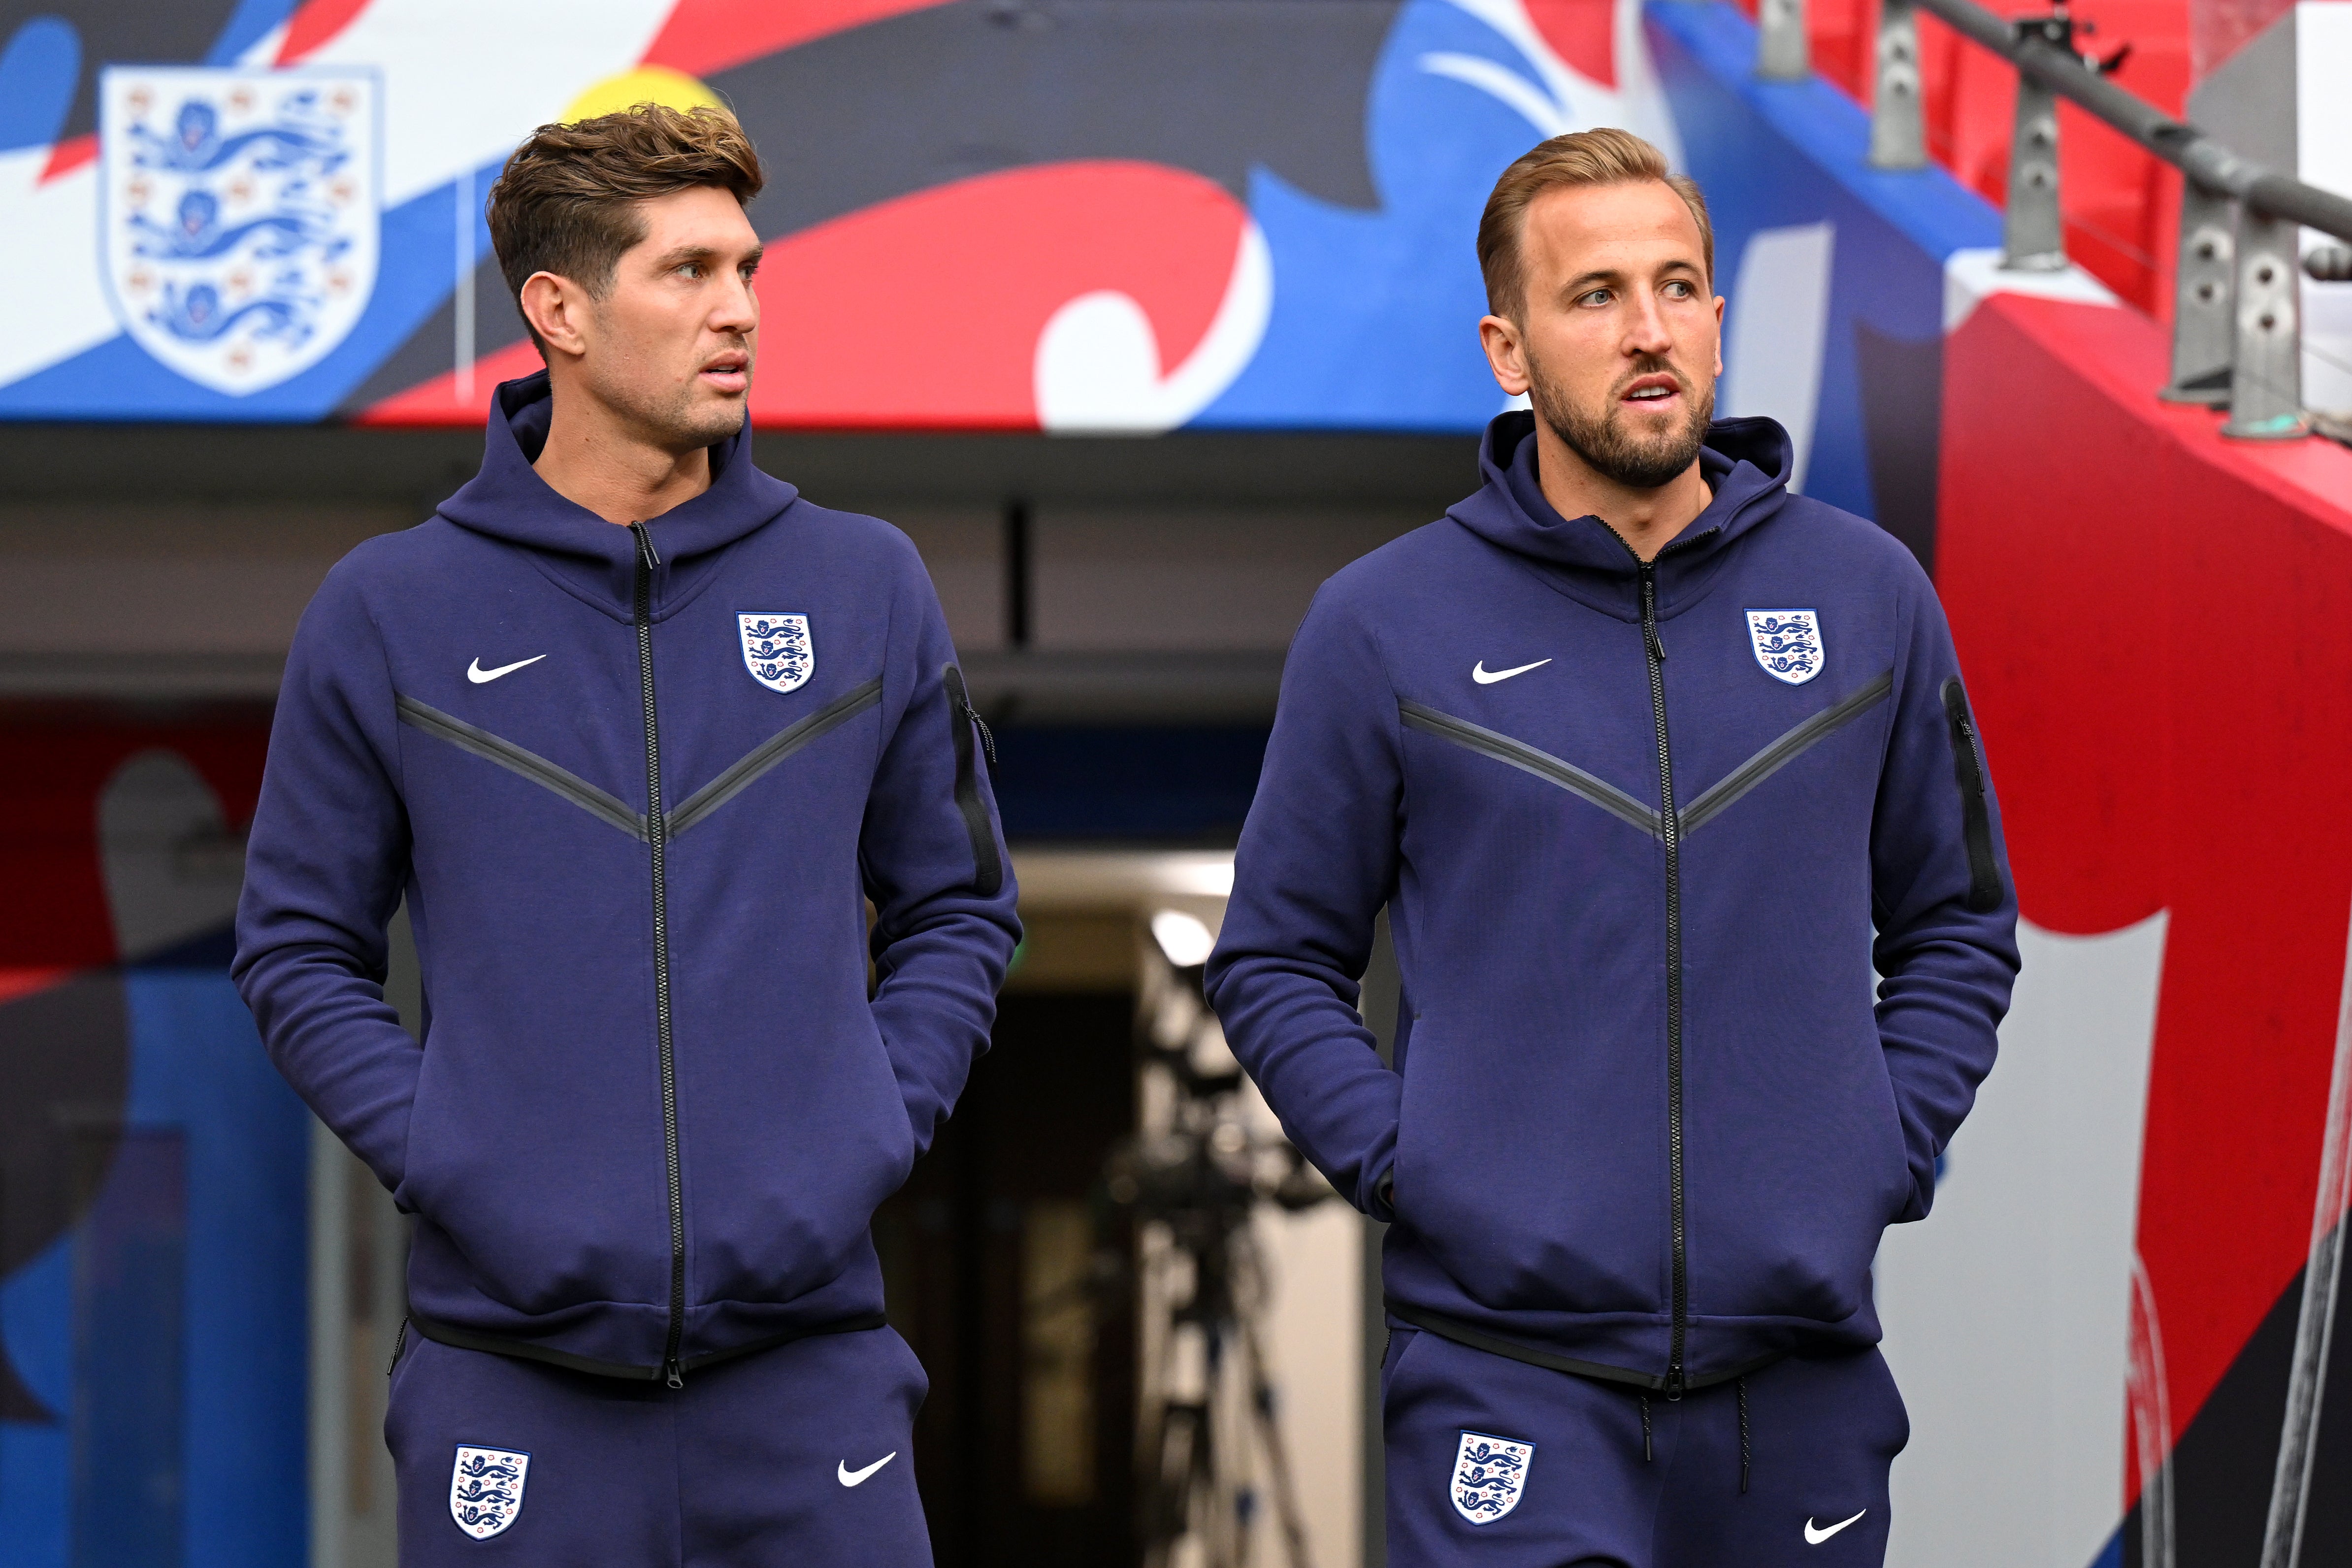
<point>1650,614</point>
<point>1674,1389</point>
<point>673,1373</point>
<point>648,556</point>
<point>987,741</point>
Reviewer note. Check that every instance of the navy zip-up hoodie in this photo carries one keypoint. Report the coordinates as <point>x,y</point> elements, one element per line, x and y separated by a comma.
<point>654,1106</point>
<point>1645,1121</point>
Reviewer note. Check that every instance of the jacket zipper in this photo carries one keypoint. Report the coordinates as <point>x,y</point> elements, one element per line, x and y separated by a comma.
<point>987,866</point>
<point>657,833</point>
<point>1976,815</point>
<point>1671,832</point>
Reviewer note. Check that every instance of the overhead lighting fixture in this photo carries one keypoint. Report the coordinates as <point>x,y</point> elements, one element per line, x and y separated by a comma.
<point>1183,939</point>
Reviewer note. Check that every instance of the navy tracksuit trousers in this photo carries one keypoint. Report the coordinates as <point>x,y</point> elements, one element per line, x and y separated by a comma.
<point>1496,1463</point>
<point>800,1456</point>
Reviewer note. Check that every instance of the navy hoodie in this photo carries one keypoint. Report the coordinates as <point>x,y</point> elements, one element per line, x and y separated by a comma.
<point>655,1105</point>
<point>1634,828</point>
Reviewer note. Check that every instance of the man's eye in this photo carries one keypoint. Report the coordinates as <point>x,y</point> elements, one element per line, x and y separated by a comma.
<point>1679,290</point>
<point>1596,296</point>
<point>690,269</point>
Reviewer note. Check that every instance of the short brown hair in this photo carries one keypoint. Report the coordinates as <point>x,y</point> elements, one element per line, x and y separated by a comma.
<point>566,201</point>
<point>1605,156</point>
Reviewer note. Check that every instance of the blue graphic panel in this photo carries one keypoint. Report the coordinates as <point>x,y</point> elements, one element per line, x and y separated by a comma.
<point>1375,319</point>
<point>162,1339</point>
<point>1777,154</point>
<point>119,380</point>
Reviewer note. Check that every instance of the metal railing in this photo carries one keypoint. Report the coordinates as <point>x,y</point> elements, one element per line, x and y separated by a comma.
<point>2236,329</point>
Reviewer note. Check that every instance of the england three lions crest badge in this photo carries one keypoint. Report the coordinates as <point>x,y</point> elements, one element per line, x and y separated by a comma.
<point>485,1490</point>
<point>1787,643</point>
<point>1490,1475</point>
<point>239,215</point>
<point>777,650</point>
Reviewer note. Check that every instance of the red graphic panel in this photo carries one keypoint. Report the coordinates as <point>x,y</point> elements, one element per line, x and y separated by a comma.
<point>1582,33</point>
<point>2158,626</point>
<point>704,35</point>
<point>924,312</point>
<point>315,25</point>
<point>52,774</point>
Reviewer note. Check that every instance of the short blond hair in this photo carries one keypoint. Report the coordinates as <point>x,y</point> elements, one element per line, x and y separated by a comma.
<point>1605,156</point>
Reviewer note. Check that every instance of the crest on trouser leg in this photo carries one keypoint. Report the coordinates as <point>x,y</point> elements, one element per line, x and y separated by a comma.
<point>1490,1474</point>
<point>485,1490</point>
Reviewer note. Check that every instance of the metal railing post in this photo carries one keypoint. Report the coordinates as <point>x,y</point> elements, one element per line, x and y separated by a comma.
<point>1784,53</point>
<point>2266,363</point>
<point>2033,232</point>
<point>1898,129</point>
<point>2203,325</point>
<point>2237,334</point>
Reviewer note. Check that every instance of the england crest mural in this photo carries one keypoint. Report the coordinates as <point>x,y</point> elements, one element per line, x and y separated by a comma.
<point>238,214</point>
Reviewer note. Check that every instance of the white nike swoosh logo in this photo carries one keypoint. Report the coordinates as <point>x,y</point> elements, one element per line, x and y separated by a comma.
<point>850,1478</point>
<point>1815,1537</point>
<point>478,675</point>
<point>1484,676</point>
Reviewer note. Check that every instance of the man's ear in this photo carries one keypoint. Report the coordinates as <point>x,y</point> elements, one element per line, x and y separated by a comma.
<point>1718,335</point>
<point>556,309</point>
<point>1506,353</point>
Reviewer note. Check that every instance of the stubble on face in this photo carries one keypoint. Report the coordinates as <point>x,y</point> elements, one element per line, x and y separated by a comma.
<point>1619,442</point>
<point>676,417</point>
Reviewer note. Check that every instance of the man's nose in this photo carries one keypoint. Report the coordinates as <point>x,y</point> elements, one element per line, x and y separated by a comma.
<point>737,310</point>
<point>1646,332</point>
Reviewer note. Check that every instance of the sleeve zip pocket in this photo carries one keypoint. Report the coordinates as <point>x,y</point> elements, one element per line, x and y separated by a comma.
<point>1976,813</point>
<point>988,866</point>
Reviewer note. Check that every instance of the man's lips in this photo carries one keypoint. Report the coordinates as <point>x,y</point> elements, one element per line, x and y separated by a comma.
<point>728,373</point>
<point>1661,392</point>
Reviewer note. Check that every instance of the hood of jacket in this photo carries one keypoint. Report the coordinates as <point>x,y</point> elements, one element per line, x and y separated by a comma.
<point>1746,463</point>
<point>508,500</point>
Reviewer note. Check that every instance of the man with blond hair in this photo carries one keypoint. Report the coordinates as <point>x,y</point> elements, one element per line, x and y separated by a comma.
<point>637,733</point>
<point>1638,749</point>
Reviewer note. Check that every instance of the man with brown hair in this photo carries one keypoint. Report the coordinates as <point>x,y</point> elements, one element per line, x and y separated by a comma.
<point>637,733</point>
<point>1644,1125</point>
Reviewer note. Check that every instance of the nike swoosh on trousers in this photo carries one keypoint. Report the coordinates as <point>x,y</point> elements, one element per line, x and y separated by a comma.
<point>850,1478</point>
<point>1814,1537</point>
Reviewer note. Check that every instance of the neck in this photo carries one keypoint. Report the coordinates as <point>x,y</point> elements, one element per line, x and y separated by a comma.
<point>595,459</point>
<point>1646,520</point>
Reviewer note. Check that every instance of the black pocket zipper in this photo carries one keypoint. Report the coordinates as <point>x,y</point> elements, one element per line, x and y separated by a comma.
<point>964,719</point>
<point>1976,812</point>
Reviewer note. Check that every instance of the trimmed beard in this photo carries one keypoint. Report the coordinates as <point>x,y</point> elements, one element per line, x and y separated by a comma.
<point>1609,448</point>
<point>673,419</point>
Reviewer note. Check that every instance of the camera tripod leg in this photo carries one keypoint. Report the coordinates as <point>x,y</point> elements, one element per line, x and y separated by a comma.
<point>1277,1456</point>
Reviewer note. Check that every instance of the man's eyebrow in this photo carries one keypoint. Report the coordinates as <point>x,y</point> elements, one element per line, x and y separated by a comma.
<point>685,253</point>
<point>1604,275</point>
<point>1584,280</point>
